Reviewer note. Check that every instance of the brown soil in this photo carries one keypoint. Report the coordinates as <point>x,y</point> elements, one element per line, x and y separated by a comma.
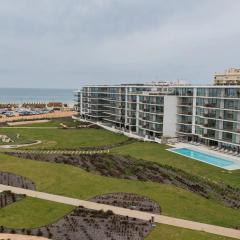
<point>14,180</point>
<point>88,224</point>
<point>128,200</point>
<point>8,197</point>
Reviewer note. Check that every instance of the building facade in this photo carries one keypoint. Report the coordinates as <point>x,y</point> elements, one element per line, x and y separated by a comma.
<point>229,77</point>
<point>206,114</point>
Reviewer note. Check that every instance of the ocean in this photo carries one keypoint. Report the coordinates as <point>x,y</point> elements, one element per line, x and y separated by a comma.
<point>21,95</point>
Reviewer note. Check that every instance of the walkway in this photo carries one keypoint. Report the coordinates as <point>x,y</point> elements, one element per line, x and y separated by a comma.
<point>115,130</point>
<point>72,152</point>
<point>227,232</point>
<point>21,145</point>
<point>6,236</point>
<point>17,127</point>
<point>28,122</point>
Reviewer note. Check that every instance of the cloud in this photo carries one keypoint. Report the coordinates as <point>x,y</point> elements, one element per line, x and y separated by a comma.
<point>74,42</point>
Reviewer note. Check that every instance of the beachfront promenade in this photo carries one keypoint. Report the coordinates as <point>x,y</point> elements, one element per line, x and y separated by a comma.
<point>227,232</point>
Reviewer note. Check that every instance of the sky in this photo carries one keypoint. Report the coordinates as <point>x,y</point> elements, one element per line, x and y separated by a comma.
<point>70,43</point>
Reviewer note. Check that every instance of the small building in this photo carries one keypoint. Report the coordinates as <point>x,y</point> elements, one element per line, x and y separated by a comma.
<point>58,106</point>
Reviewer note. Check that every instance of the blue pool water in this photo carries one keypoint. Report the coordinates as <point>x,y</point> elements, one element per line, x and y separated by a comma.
<point>207,158</point>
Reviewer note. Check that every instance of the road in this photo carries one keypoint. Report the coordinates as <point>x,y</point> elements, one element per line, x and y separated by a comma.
<point>227,232</point>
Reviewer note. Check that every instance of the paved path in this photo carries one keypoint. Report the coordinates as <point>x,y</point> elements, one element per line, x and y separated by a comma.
<point>17,127</point>
<point>20,145</point>
<point>227,232</point>
<point>72,152</point>
<point>28,122</point>
<point>6,236</point>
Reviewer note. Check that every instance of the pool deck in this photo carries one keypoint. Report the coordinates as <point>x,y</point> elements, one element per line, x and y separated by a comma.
<point>205,149</point>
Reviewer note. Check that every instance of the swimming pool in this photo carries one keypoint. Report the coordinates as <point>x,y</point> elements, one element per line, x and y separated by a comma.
<point>215,160</point>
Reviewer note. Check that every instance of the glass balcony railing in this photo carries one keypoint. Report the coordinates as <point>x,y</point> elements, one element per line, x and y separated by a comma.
<point>185,112</point>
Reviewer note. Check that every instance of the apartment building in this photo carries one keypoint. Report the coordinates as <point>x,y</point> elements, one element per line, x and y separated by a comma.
<point>229,77</point>
<point>206,114</point>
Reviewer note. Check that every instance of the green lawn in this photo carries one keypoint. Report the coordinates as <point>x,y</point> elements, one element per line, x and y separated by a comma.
<point>157,153</point>
<point>53,123</point>
<point>65,138</point>
<point>13,136</point>
<point>166,232</point>
<point>32,212</point>
<point>75,182</point>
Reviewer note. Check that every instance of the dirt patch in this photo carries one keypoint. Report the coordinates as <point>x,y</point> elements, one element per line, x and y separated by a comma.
<point>87,224</point>
<point>14,180</point>
<point>128,200</point>
<point>27,122</point>
<point>8,197</point>
<point>129,168</point>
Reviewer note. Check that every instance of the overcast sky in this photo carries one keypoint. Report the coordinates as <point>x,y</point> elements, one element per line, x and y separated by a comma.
<point>68,43</point>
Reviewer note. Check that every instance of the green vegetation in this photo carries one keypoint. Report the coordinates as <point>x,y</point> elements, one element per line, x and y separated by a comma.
<point>65,138</point>
<point>74,182</point>
<point>53,123</point>
<point>167,232</point>
<point>13,136</point>
<point>32,212</point>
<point>157,153</point>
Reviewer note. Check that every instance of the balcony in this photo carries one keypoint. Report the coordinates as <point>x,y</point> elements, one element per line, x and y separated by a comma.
<point>207,125</point>
<point>227,139</point>
<point>185,112</point>
<point>185,130</point>
<point>209,115</point>
<point>209,135</point>
<point>184,121</point>
<point>185,103</point>
<point>187,94</point>
<point>229,128</point>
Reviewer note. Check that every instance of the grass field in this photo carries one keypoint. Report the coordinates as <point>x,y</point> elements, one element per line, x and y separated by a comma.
<point>157,153</point>
<point>32,212</point>
<point>65,138</point>
<point>75,182</point>
<point>13,136</point>
<point>165,232</point>
<point>53,123</point>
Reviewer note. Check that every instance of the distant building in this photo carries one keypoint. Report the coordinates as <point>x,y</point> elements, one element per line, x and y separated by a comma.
<point>33,105</point>
<point>229,77</point>
<point>58,106</point>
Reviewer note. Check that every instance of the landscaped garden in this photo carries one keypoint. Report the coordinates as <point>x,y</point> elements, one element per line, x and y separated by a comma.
<point>57,122</point>
<point>83,223</point>
<point>156,153</point>
<point>213,200</point>
<point>65,138</point>
<point>32,213</point>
